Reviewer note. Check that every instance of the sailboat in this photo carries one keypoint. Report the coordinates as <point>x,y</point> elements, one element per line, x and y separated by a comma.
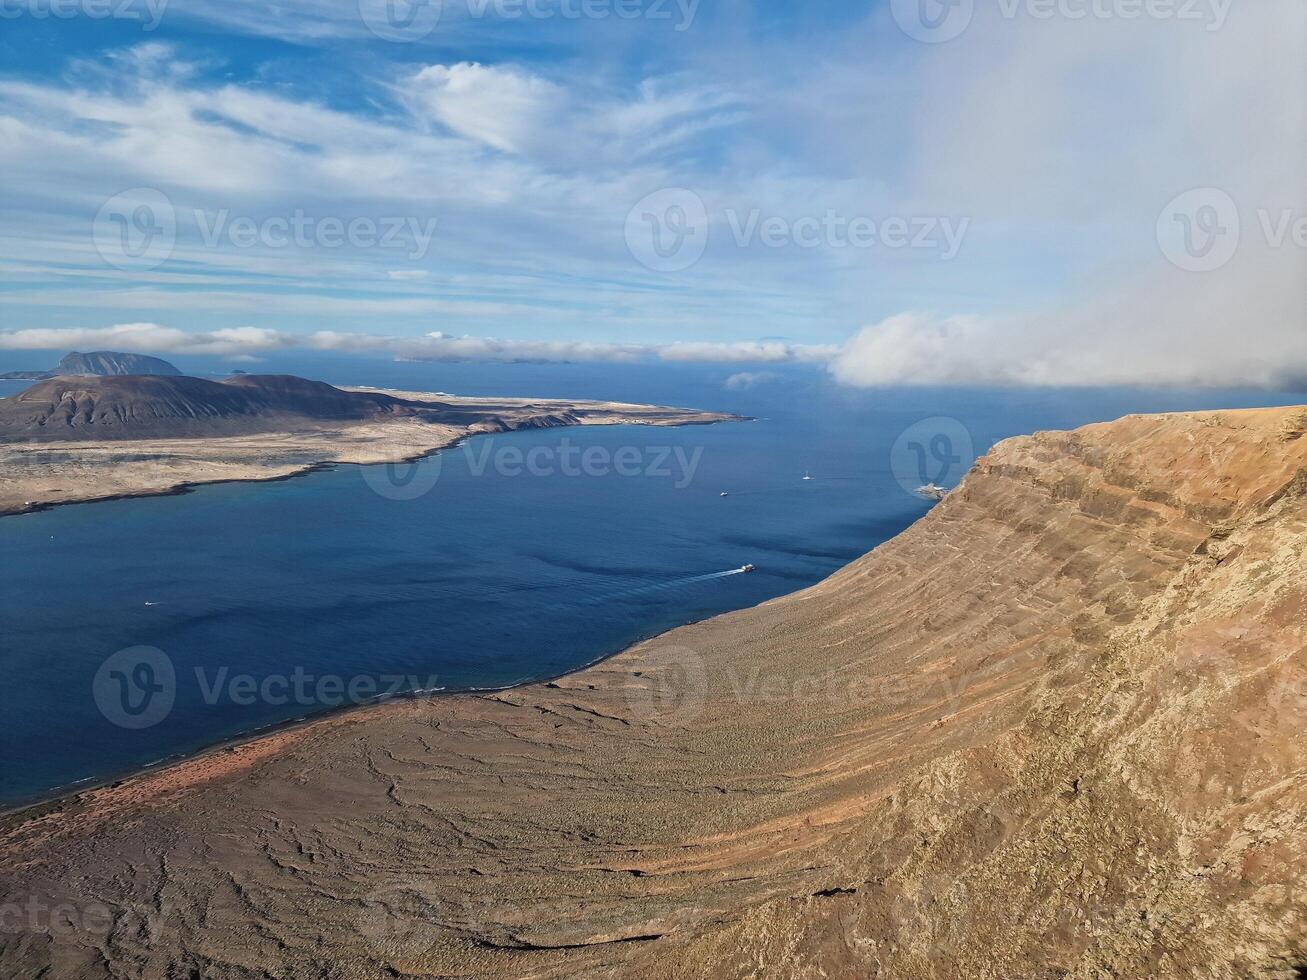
<point>807,475</point>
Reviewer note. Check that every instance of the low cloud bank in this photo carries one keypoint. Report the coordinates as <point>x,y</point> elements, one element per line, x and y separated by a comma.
<point>249,341</point>
<point>1153,337</point>
<point>1244,326</point>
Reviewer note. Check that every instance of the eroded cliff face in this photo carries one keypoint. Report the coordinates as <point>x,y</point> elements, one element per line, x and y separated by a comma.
<point>1053,730</point>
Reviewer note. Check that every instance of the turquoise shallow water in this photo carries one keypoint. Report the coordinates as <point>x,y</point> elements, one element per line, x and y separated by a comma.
<point>260,603</point>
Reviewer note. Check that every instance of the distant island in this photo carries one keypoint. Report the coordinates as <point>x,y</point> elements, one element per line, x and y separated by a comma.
<point>98,363</point>
<point>72,439</point>
<point>160,407</point>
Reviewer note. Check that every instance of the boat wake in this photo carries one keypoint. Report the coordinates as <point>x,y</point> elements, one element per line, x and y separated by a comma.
<point>676,583</point>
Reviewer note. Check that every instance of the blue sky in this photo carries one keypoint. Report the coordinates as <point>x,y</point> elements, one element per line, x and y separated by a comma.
<point>744,182</point>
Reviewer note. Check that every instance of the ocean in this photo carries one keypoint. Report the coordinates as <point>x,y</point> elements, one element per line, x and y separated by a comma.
<point>134,631</point>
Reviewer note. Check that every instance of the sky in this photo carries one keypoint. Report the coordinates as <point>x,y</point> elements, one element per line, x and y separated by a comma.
<point>1008,192</point>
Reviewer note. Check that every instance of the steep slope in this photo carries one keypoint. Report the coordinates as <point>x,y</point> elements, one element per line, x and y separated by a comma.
<point>108,362</point>
<point>151,407</point>
<point>103,362</point>
<point>1053,730</point>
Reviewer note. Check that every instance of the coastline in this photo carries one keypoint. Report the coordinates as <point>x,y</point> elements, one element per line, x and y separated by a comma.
<point>53,800</point>
<point>902,770</point>
<point>276,457</point>
<point>58,797</point>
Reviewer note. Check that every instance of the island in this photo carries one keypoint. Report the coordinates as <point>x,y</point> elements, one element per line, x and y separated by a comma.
<point>75,439</point>
<point>100,362</point>
<point>1054,729</point>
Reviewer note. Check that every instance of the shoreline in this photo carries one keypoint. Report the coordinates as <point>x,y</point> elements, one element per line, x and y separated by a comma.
<point>804,783</point>
<point>324,465</point>
<point>54,800</point>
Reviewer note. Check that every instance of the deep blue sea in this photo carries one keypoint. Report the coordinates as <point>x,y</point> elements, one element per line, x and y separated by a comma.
<point>136,630</point>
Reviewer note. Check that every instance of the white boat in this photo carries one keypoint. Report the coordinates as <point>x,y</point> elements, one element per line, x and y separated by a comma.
<point>933,492</point>
<point>725,494</point>
<point>807,475</point>
<point>748,568</point>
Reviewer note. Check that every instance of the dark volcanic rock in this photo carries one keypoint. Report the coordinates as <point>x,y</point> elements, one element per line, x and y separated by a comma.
<point>154,407</point>
<point>107,363</point>
<point>101,363</point>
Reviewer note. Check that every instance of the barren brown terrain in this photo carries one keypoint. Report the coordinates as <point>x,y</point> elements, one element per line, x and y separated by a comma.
<point>35,474</point>
<point>1054,730</point>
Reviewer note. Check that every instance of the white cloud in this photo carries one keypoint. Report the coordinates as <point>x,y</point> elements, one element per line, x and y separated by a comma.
<point>502,107</point>
<point>1082,132</point>
<point>155,338</point>
<point>1240,326</point>
<point>143,338</point>
<point>756,352</point>
<point>743,380</point>
<point>578,125</point>
<point>1061,140</point>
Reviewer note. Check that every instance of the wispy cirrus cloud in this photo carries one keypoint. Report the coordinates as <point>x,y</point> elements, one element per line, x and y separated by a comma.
<point>532,164</point>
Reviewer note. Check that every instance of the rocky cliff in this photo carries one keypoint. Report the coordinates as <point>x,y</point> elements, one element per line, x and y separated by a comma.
<point>1053,730</point>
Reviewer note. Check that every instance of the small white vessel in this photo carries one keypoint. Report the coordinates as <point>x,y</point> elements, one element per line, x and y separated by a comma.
<point>932,492</point>
<point>807,475</point>
<point>725,494</point>
<point>748,568</point>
